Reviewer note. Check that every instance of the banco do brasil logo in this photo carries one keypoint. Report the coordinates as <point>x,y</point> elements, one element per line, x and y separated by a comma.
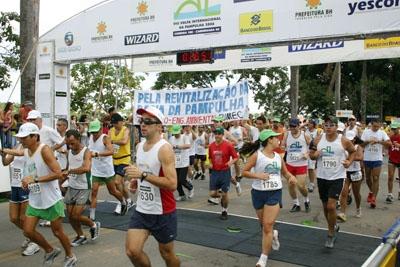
<point>357,7</point>
<point>199,8</point>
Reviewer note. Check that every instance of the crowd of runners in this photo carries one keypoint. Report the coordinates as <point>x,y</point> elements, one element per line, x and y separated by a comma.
<point>60,169</point>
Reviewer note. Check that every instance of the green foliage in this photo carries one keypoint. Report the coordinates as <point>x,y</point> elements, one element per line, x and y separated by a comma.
<point>118,85</point>
<point>181,80</point>
<point>9,47</point>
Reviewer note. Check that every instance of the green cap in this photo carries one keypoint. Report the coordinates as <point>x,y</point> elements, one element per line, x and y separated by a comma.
<point>277,119</point>
<point>265,134</point>
<point>176,129</point>
<point>219,130</point>
<point>395,125</point>
<point>218,118</point>
<point>94,126</point>
<point>331,119</point>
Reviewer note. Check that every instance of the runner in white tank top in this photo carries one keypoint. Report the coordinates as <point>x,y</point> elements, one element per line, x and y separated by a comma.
<point>296,143</point>
<point>329,150</point>
<point>154,177</point>
<point>102,167</point>
<point>42,173</point>
<point>266,167</point>
<point>201,144</point>
<point>79,190</point>
<point>19,197</point>
<point>313,132</point>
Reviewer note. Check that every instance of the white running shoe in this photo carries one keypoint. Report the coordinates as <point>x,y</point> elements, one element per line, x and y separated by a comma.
<point>31,249</point>
<point>238,189</point>
<point>275,240</point>
<point>261,263</point>
<point>191,193</point>
<point>25,244</point>
<point>118,209</point>
<point>44,223</point>
<point>358,213</point>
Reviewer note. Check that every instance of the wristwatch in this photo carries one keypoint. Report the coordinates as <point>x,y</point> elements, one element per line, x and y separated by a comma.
<point>143,176</point>
<point>36,179</point>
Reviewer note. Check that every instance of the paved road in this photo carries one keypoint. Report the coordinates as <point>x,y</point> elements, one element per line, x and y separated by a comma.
<point>108,250</point>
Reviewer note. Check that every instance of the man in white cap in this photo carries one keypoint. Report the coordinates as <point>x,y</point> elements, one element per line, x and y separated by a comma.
<point>41,175</point>
<point>155,179</point>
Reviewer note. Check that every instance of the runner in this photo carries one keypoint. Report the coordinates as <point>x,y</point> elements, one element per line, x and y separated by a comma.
<point>374,140</point>
<point>394,160</point>
<point>181,145</point>
<point>191,135</point>
<point>61,153</point>
<point>222,156</point>
<point>329,150</point>
<point>41,174</point>
<point>278,128</point>
<point>353,179</point>
<point>267,187</point>
<point>102,167</point>
<point>155,178</point>
<point>353,127</point>
<point>79,189</point>
<point>201,145</point>
<point>313,132</point>
<point>239,133</point>
<point>121,142</point>
<point>19,197</point>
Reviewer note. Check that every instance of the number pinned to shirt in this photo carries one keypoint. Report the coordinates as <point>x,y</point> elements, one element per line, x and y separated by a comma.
<point>34,188</point>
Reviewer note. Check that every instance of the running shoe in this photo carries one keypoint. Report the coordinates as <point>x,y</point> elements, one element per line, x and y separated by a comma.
<point>330,241</point>
<point>389,199</point>
<point>295,208</point>
<point>44,223</point>
<point>130,203</point>
<point>191,193</point>
<point>238,178</point>
<point>358,213</point>
<point>197,175</point>
<point>25,243</point>
<point>337,205</point>
<point>224,216</point>
<point>70,261</point>
<point>238,189</point>
<point>261,263</point>
<point>94,231</point>
<point>213,201</point>
<point>180,198</point>
<point>341,217</point>
<point>307,206</point>
<point>202,176</point>
<point>275,240</point>
<point>370,196</point>
<point>124,208</point>
<point>31,249</point>
<point>78,241</point>
<point>310,187</point>
<point>50,257</point>
<point>117,210</point>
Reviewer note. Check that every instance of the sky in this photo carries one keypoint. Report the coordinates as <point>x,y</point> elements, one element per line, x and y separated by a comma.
<point>53,12</point>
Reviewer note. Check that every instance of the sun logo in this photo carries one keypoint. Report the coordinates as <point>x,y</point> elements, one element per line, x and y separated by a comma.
<point>313,3</point>
<point>101,28</point>
<point>142,8</point>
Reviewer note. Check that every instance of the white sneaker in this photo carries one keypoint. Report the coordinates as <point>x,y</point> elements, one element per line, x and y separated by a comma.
<point>180,198</point>
<point>261,263</point>
<point>31,249</point>
<point>44,223</point>
<point>191,193</point>
<point>130,203</point>
<point>238,189</point>
<point>25,244</point>
<point>118,209</point>
<point>275,240</point>
<point>358,213</point>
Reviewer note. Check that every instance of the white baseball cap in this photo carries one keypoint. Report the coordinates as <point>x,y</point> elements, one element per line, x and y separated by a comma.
<point>341,126</point>
<point>34,114</point>
<point>153,111</point>
<point>27,129</point>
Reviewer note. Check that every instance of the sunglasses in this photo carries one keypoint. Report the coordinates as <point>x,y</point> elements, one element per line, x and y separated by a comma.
<point>148,121</point>
<point>328,125</point>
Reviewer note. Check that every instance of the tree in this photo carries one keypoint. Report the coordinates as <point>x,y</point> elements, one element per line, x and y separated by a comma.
<point>87,79</point>
<point>9,47</point>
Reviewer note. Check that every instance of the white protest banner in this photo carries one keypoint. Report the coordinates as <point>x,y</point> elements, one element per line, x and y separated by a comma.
<point>197,106</point>
<point>343,113</point>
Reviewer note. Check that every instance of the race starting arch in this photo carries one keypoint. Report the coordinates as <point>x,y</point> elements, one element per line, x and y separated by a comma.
<point>196,35</point>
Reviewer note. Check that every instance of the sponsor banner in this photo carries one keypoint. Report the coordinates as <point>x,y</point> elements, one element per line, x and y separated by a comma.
<point>151,27</point>
<point>344,113</point>
<point>382,43</point>
<point>197,106</point>
<point>315,46</point>
<point>256,54</point>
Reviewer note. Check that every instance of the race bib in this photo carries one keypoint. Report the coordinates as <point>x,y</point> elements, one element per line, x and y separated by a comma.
<point>373,149</point>
<point>146,194</point>
<point>17,175</point>
<point>178,157</point>
<point>273,183</point>
<point>293,156</point>
<point>357,176</point>
<point>34,188</point>
<point>330,162</point>
<point>116,148</point>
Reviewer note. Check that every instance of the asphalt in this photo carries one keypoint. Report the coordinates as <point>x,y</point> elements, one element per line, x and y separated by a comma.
<point>108,250</point>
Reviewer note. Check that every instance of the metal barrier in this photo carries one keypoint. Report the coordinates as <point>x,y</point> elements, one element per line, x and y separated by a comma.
<point>387,253</point>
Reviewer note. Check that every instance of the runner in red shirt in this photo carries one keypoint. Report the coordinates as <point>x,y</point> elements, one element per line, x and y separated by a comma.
<point>222,156</point>
<point>394,160</point>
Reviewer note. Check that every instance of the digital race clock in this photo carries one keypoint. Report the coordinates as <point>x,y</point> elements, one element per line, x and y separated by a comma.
<point>195,57</point>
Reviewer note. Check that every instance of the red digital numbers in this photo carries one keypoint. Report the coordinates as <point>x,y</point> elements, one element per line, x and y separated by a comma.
<point>194,57</point>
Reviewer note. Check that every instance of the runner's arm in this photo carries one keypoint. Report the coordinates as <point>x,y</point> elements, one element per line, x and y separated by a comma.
<point>51,162</point>
<point>251,162</point>
<point>109,148</point>
<point>86,165</point>
<point>314,153</point>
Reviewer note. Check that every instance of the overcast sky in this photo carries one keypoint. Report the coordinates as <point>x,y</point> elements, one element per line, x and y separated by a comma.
<point>53,12</point>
